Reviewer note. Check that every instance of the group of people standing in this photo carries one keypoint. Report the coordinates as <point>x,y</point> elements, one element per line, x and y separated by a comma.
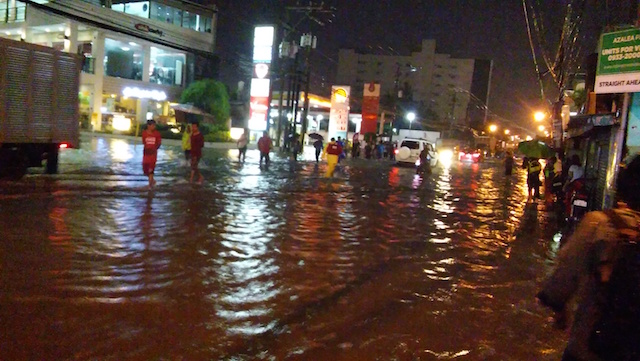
<point>556,180</point>
<point>192,144</point>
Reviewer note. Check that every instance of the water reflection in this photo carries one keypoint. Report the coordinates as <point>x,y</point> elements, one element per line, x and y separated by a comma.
<point>379,263</point>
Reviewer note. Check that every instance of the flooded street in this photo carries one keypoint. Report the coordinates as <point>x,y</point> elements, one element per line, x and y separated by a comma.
<point>378,264</point>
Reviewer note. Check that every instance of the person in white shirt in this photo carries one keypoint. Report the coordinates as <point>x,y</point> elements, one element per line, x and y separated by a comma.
<point>576,171</point>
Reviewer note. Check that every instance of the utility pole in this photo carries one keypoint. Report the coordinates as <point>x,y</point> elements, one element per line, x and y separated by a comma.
<point>312,12</point>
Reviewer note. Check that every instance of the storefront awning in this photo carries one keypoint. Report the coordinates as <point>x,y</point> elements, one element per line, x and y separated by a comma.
<point>581,124</point>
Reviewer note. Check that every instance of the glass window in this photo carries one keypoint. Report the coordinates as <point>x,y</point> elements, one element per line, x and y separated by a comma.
<point>206,24</point>
<point>158,12</point>
<point>118,7</point>
<point>123,60</point>
<point>140,8</point>
<point>177,17</point>
<point>191,20</point>
<point>167,67</point>
<point>410,144</point>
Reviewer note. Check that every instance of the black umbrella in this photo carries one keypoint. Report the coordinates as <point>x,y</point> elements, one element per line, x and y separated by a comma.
<point>316,136</point>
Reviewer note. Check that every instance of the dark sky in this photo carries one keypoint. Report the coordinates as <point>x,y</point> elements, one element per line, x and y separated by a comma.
<point>487,29</point>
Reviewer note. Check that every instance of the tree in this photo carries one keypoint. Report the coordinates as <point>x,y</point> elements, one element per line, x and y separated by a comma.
<point>211,96</point>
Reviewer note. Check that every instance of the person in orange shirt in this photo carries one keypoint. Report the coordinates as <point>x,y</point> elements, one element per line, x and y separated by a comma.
<point>151,140</point>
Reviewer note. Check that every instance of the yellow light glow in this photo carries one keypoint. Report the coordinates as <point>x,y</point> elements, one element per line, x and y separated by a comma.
<point>539,116</point>
<point>445,157</point>
<point>529,137</point>
<point>121,123</point>
<point>541,128</point>
<point>235,133</point>
<point>507,131</point>
<point>493,128</point>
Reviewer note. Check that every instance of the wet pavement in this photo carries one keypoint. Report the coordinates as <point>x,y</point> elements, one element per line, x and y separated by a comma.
<point>278,264</point>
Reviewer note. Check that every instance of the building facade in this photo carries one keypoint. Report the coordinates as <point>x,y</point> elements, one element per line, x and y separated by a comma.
<point>439,82</point>
<point>138,55</point>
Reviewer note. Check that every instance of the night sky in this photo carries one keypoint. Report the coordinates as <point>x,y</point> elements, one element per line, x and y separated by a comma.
<point>485,29</point>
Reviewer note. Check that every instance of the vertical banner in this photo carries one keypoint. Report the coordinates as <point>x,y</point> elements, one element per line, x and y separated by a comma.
<point>370,107</point>
<point>339,114</point>
<point>260,91</point>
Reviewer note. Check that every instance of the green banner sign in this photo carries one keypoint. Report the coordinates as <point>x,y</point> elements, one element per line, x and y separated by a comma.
<point>619,62</point>
<point>620,52</point>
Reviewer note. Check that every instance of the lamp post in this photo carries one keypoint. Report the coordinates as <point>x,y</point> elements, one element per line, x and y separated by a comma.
<point>411,116</point>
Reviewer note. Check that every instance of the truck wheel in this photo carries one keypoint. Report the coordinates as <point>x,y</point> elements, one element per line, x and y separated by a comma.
<point>13,164</point>
<point>52,159</point>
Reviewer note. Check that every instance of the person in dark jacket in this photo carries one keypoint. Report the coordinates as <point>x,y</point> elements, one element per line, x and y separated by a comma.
<point>508,163</point>
<point>581,266</point>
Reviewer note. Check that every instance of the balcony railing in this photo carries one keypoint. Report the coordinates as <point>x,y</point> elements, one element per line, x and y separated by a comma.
<point>13,14</point>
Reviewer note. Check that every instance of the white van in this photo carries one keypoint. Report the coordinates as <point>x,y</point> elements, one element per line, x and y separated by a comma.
<point>408,152</point>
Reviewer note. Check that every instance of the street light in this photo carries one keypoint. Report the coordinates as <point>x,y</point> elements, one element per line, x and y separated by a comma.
<point>493,128</point>
<point>507,131</point>
<point>541,128</point>
<point>411,116</point>
<point>539,116</point>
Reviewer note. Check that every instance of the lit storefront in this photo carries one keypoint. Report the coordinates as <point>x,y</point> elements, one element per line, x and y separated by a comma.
<point>129,76</point>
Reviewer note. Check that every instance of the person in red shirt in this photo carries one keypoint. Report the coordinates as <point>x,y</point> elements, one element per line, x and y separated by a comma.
<point>151,141</point>
<point>332,152</point>
<point>197,143</point>
<point>264,145</point>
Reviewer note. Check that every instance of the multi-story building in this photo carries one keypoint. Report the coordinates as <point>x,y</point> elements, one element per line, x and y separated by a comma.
<point>438,81</point>
<point>139,55</point>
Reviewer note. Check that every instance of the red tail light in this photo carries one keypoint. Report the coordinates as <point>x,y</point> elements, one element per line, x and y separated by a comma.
<point>476,155</point>
<point>63,145</point>
<point>396,151</point>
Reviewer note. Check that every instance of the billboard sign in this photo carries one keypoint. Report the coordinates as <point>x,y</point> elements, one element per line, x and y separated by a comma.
<point>339,114</point>
<point>263,39</point>
<point>370,107</point>
<point>619,62</point>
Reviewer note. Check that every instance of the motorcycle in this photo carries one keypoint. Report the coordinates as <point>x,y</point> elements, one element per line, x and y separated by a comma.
<point>576,205</point>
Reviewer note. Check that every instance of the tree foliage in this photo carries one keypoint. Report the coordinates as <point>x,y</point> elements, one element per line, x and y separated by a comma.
<point>211,96</point>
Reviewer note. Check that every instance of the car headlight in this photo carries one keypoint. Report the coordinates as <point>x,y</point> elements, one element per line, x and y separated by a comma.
<point>445,155</point>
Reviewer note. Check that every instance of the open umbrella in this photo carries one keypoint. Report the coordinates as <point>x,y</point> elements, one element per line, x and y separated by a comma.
<point>316,136</point>
<point>536,149</point>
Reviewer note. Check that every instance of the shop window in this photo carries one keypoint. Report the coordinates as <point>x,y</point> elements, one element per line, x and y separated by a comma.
<point>167,67</point>
<point>88,63</point>
<point>123,60</point>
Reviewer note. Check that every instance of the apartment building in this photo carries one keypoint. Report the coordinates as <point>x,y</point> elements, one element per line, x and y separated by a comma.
<point>439,81</point>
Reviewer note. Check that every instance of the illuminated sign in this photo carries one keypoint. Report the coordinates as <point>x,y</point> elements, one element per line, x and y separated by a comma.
<point>261,70</point>
<point>147,29</point>
<point>339,114</point>
<point>263,38</point>
<point>133,92</point>
<point>260,91</point>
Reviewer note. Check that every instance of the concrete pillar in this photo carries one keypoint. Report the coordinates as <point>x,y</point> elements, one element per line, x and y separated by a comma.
<point>98,54</point>
<point>146,63</point>
<point>141,110</point>
<point>71,37</point>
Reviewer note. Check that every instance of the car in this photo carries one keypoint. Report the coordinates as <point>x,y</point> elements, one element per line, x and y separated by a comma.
<point>408,152</point>
<point>470,155</point>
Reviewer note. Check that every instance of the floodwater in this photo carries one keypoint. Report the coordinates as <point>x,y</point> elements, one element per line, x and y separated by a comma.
<point>278,264</point>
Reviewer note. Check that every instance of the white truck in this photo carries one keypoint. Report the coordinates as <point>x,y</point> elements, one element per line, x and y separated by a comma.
<point>38,106</point>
